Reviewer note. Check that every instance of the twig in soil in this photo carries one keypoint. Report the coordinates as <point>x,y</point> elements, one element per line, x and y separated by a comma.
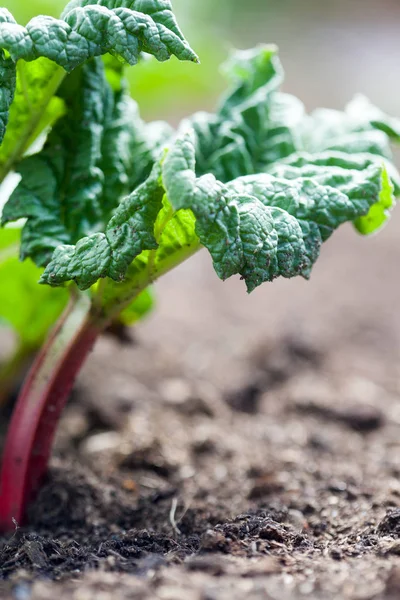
<point>172,514</point>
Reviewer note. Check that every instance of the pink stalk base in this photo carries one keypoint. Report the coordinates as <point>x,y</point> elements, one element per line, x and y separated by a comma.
<point>39,407</point>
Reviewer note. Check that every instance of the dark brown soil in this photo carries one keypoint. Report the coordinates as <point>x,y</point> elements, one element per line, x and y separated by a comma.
<point>240,448</point>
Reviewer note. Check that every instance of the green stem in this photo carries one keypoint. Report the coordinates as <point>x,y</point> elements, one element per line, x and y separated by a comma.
<point>114,304</point>
<point>23,142</point>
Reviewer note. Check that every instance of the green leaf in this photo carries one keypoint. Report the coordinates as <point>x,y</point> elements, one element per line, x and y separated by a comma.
<point>87,29</point>
<point>362,110</point>
<point>357,177</point>
<point>263,226</point>
<point>8,79</point>
<point>132,28</point>
<point>254,75</point>
<point>259,184</point>
<point>361,128</point>
<point>255,124</point>
<point>93,157</point>
<point>69,191</point>
<point>29,308</point>
<point>61,187</point>
<point>129,232</point>
<point>177,240</point>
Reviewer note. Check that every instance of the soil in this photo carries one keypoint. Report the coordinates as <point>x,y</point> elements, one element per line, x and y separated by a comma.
<point>237,447</point>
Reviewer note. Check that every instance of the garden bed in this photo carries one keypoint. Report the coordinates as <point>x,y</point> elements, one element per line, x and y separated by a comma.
<point>238,447</point>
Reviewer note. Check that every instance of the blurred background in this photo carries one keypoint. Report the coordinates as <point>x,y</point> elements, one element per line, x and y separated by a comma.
<point>329,50</point>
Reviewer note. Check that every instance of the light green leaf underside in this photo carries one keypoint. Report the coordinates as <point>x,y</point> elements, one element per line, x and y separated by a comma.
<point>34,108</point>
<point>379,213</point>
<point>29,308</point>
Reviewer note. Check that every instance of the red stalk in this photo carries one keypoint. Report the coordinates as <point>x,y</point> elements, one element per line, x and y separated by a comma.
<point>39,407</point>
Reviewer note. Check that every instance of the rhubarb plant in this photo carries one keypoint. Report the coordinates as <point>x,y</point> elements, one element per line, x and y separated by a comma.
<point>29,310</point>
<point>110,203</point>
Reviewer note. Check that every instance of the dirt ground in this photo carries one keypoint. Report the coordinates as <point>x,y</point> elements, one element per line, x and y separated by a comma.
<point>240,447</point>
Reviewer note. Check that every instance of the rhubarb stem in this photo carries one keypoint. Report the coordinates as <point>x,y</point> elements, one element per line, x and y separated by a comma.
<point>39,407</point>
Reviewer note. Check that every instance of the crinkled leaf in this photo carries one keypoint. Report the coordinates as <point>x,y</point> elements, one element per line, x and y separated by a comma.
<point>365,180</point>
<point>263,226</point>
<point>90,29</point>
<point>361,128</point>
<point>129,232</point>
<point>255,184</point>
<point>61,187</point>
<point>96,154</point>
<point>177,240</point>
<point>129,149</point>
<point>8,79</point>
<point>255,125</point>
<point>260,226</point>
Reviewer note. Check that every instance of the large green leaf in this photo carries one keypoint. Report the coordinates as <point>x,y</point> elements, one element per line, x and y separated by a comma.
<point>259,184</point>
<point>262,226</point>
